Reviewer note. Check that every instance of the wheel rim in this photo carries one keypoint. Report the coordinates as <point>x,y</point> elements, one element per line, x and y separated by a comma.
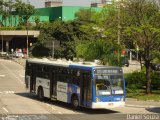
<point>40,94</point>
<point>75,103</point>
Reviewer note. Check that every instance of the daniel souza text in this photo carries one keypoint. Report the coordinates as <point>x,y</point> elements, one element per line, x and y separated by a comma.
<point>143,116</point>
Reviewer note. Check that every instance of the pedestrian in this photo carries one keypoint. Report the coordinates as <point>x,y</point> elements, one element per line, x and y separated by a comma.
<point>12,50</point>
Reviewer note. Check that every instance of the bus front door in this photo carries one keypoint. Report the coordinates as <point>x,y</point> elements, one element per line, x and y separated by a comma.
<point>85,91</point>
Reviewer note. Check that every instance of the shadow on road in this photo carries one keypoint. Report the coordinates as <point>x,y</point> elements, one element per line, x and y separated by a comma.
<point>68,106</point>
<point>154,110</point>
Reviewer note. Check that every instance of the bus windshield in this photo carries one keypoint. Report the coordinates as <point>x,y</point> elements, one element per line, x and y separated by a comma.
<point>109,84</point>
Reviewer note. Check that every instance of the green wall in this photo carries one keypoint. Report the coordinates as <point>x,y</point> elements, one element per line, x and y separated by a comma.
<point>49,14</point>
<point>68,12</point>
<point>52,13</point>
<point>62,12</point>
<point>10,21</point>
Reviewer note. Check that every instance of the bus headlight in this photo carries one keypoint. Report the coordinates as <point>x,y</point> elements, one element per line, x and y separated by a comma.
<point>98,100</point>
<point>122,99</point>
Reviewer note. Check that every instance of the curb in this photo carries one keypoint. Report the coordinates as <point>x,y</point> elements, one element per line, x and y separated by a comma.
<point>139,106</point>
<point>18,62</point>
<point>133,99</point>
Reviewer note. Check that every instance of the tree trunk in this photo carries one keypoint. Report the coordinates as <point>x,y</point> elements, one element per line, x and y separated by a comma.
<point>148,77</point>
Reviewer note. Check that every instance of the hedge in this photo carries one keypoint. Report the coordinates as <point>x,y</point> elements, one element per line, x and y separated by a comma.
<point>137,80</point>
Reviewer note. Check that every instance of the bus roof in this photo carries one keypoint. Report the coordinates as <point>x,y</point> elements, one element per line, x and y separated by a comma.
<point>71,64</point>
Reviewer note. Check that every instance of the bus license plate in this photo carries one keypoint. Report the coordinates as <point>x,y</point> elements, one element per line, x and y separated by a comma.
<point>110,104</point>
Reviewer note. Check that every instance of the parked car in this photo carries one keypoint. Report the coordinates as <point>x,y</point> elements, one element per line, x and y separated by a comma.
<point>125,62</point>
<point>155,66</point>
<point>18,54</point>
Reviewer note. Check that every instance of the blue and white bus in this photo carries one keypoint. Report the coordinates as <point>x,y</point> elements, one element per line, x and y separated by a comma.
<point>86,85</point>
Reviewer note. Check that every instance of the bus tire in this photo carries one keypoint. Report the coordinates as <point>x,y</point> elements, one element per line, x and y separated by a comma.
<point>40,93</point>
<point>75,102</point>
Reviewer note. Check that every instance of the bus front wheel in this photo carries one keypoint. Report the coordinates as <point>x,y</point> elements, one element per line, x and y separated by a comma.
<point>75,102</point>
<point>40,94</point>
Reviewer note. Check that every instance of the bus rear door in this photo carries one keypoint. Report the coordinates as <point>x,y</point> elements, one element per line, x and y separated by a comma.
<point>53,84</point>
<point>33,79</point>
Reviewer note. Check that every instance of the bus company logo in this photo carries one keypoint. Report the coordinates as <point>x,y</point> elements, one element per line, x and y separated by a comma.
<point>70,89</point>
<point>62,87</point>
<point>143,116</point>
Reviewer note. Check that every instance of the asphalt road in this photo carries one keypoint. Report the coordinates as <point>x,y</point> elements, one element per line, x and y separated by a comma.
<point>17,104</point>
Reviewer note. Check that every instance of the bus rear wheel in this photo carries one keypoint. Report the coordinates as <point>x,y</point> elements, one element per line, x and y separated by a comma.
<point>41,94</point>
<point>75,102</point>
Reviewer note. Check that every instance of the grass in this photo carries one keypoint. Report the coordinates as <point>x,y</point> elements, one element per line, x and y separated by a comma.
<point>140,94</point>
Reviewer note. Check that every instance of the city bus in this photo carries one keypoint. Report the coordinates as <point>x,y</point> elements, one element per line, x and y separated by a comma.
<point>80,84</point>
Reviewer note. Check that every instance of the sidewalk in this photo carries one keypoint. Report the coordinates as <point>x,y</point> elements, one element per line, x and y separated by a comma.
<point>133,66</point>
<point>134,103</point>
<point>153,107</point>
<point>21,61</point>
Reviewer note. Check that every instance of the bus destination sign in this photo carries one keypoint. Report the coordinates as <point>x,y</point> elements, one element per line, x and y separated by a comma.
<point>108,71</point>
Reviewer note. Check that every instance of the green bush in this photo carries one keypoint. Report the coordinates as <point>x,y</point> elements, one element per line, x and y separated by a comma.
<point>8,28</point>
<point>155,76</point>
<point>137,80</point>
<point>40,51</point>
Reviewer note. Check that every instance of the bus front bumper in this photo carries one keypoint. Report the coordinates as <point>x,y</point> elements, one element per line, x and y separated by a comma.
<point>107,105</point>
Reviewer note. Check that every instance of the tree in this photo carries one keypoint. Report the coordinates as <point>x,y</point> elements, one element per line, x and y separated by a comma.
<point>24,11</point>
<point>87,20</point>
<point>37,20</point>
<point>141,26</point>
<point>97,49</point>
<point>1,8</point>
<point>85,15</point>
<point>67,33</point>
<point>10,7</point>
<point>5,14</point>
<point>6,10</point>
<point>100,27</point>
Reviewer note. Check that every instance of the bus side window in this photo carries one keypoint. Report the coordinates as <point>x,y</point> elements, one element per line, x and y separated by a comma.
<point>46,69</point>
<point>76,80</point>
<point>43,75</point>
<point>62,75</point>
<point>39,74</point>
<point>28,72</point>
<point>70,79</point>
<point>46,75</point>
<point>40,68</point>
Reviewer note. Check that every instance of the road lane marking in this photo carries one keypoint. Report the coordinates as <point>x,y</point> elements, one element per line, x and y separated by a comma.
<point>12,73</point>
<point>50,106</point>
<point>47,104</point>
<point>5,109</point>
<point>60,112</point>
<point>21,75</point>
<point>7,92</point>
<point>69,118</point>
<point>2,75</point>
<point>139,106</point>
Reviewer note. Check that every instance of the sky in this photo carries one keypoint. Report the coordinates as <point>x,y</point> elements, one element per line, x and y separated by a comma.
<point>40,3</point>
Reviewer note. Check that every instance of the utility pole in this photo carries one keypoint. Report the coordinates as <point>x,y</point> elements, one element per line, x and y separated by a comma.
<point>2,42</point>
<point>118,32</point>
<point>27,34</point>
<point>27,40</point>
<point>52,49</point>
